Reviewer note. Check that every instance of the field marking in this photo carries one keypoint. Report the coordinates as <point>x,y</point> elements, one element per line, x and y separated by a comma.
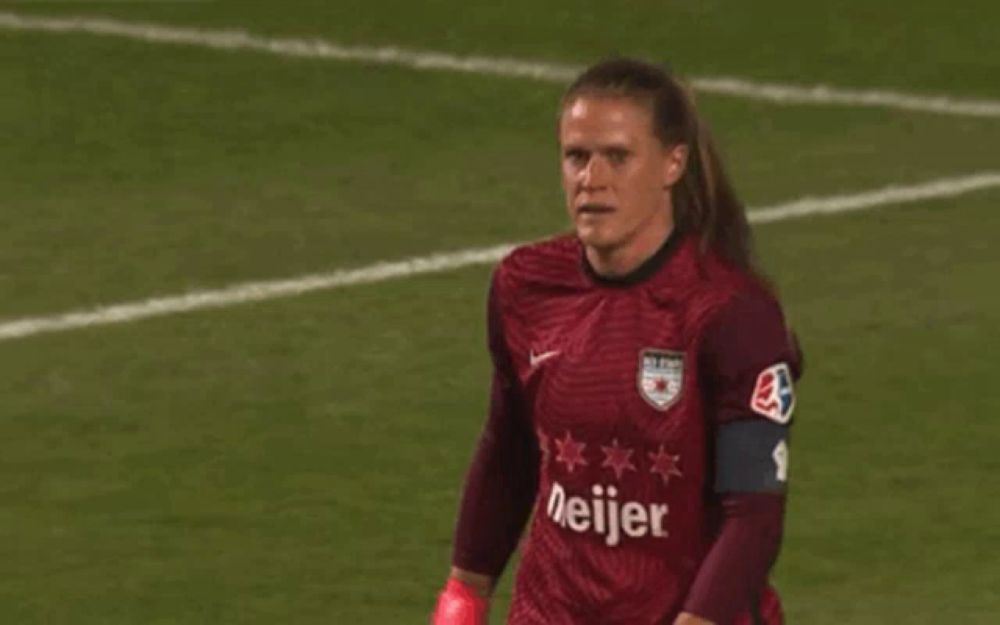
<point>233,39</point>
<point>274,289</point>
<point>893,194</point>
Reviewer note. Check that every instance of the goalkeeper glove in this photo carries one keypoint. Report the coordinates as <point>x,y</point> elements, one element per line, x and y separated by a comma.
<point>459,604</point>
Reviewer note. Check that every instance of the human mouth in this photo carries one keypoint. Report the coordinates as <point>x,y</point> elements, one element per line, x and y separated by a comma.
<point>594,208</point>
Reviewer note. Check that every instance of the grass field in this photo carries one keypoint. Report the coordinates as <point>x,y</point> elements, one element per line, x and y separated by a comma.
<point>299,460</point>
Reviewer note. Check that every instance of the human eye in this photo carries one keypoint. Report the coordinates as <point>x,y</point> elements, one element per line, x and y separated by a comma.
<point>617,156</point>
<point>576,156</point>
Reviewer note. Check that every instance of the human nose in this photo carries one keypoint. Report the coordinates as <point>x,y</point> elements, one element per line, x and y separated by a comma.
<point>595,174</point>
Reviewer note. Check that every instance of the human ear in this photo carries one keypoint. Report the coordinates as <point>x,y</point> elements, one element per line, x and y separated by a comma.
<point>674,164</point>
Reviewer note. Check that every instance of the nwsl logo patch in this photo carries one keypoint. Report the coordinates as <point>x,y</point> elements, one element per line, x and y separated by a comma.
<point>773,395</point>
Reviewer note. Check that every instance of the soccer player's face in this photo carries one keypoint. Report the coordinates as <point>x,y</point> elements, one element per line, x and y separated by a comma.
<point>616,173</point>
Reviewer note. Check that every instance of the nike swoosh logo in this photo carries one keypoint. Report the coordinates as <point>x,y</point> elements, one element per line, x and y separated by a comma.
<point>537,359</point>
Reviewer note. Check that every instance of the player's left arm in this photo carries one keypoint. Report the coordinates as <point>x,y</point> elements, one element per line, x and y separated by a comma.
<point>749,361</point>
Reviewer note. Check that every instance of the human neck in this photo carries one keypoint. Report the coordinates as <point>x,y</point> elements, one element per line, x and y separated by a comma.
<point>621,261</point>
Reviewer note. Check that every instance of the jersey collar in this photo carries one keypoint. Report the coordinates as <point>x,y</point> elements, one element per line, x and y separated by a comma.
<point>641,273</point>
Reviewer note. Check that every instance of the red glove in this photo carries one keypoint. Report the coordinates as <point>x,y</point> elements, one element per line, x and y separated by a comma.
<point>769,607</point>
<point>459,604</point>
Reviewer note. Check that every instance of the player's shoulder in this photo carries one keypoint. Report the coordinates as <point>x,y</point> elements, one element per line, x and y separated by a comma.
<point>746,292</point>
<point>709,284</point>
<point>738,284</point>
<point>557,252</point>
<point>748,315</point>
<point>545,264</point>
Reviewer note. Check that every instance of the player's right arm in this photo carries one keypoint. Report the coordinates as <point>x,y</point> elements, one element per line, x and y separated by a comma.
<point>499,490</point>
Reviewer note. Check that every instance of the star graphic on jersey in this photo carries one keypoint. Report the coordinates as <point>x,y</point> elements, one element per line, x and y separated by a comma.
<point>665,464</point>
<point>660,385</point>
<point>617,459</point>
<point>570,452</point>
<point>543,444</point>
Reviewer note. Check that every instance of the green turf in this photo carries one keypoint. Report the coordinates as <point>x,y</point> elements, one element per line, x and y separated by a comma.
<point>888,521</point>
<point>150,170</point>
<point>928,45</point>
<point>299,461</point>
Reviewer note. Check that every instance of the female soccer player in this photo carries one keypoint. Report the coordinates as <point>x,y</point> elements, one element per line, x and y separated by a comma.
<point>642,387</point>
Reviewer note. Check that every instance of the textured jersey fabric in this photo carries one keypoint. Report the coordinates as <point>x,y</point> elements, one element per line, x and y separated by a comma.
<point>605,402</point>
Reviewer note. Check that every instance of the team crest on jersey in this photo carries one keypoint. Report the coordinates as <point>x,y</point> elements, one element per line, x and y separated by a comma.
<point>773,396</point>
<point>661,373</point>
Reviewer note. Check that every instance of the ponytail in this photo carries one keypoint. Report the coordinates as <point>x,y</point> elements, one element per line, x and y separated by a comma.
<point>706,203</point>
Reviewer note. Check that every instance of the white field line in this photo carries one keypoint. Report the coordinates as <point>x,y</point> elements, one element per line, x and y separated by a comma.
<point>430,60</point>
<point>940,188</point>
<point>267,290</point>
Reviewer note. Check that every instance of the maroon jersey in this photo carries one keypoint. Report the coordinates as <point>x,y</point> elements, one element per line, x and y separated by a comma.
<point>615,389</point>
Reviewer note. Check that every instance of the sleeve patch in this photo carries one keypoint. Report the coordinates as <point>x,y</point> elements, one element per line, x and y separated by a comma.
<point>751,456</point>
<point>780,457</point>
<point>773,395</point>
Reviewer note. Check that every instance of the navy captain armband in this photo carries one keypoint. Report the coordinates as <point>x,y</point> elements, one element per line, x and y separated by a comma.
<point>751,456</point>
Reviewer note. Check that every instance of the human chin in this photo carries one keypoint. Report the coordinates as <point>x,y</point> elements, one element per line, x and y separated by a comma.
<point>595,234</point>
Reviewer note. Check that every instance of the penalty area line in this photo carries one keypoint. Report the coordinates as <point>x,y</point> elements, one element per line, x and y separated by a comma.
<point>247,292</point>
